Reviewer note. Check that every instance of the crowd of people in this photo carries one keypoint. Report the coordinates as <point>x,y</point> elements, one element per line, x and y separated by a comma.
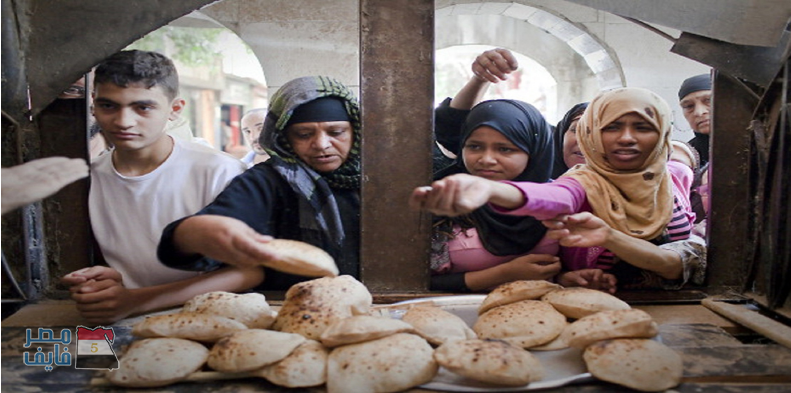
<point>605,199</point>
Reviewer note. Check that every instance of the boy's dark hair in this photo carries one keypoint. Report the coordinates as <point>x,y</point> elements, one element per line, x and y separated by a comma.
<point>134,66</point>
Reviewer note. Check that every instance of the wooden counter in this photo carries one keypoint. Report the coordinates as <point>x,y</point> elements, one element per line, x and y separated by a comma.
<point>714,359</point>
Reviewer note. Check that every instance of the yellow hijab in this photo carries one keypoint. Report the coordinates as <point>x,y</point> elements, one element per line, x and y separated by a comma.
<point>640,202</point>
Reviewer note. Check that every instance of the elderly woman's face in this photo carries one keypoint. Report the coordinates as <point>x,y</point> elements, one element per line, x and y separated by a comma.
<point>629,141</point>
<point>324,146</point>
<point>571,149</point>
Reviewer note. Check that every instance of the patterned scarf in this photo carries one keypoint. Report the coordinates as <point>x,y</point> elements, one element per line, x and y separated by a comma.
<point>319,217</point>
<point>638,203</point>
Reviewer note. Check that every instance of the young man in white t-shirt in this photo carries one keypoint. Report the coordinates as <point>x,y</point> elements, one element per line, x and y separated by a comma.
<point>146,181</point>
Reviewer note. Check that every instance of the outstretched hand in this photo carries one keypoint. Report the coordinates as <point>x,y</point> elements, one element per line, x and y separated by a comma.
<point>452,196</point>
<point>578,230</point>
<point>494,65</point>
<point>38,179</point>
<point>225,239</point>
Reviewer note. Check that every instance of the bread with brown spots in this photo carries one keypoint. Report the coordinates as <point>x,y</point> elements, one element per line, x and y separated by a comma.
<point>491,361</point>
<point>515,291</point>
<point>436,325</point>
<point>525,323</point>
<point>305,367</point>
<point>578,302</point>
<point>389,364</point>
<point>157,362</point>
<point>252,349</point>
<point>605,325</point>
<point>311,306</point>
<point>188,325</point>
<point>300,258</point>
<point>251,309</point>
<point>361,328</point>
<point>640,364</point>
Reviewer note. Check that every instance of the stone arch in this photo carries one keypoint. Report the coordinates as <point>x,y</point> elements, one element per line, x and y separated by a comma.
<point>580,63</point>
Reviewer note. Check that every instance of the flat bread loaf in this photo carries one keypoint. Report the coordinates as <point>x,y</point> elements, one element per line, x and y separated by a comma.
<point>187,325</point>
<point>490,361</point>
<point>311,306</point>
<point>605,325</point>
<point>361,328</point>
<point>300,258</point>
<point>251,309</point>
<point>305,367</point>
<point>389,364</point>
<point>515,291</point>
<point>640,364</point>
<point>525,324</point>
<point>157,362</point>
<point>252,349</point>
<point>436,325</point>
<point>578,302</point>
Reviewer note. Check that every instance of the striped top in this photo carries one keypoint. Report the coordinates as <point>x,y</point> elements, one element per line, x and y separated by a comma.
<point>566,196</point>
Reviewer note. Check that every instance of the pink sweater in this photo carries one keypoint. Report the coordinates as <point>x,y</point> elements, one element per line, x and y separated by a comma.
<point>567,196</point>
<point>467,253</point>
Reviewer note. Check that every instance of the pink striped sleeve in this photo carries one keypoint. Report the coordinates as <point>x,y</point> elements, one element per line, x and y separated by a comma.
<point>547,200</point>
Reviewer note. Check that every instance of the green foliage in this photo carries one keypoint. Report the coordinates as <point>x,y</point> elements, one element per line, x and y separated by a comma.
<point>193,47</point>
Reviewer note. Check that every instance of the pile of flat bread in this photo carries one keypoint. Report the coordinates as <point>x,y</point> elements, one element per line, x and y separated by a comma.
<point>327,332</point>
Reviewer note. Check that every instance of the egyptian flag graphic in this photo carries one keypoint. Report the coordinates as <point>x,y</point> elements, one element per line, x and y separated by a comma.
<point>95,348</point>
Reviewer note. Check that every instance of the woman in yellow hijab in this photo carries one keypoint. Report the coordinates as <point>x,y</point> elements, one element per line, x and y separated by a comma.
<point>627,186</point>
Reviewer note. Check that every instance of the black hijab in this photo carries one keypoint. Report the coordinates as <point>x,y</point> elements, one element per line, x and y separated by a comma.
<point>559,166</point>
<point>526,128</point>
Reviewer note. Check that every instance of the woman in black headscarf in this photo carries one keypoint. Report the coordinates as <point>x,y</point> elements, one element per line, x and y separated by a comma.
<point>567,151</point>
<point>309,190</point>
<point>501,140</point>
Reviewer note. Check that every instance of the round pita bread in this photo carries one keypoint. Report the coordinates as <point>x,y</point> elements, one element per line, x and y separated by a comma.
<point>158,362</point>
<point>361,328</point>
<point>515,291</point>
<point>490,361</point>
<point>251,309</point>
<point>525,324</point>
<point>436,325</point>
<point>300,258</point>
<point>578,302</point>
<point>640,364</point>
<point>252,349</point>
<point>187,325</point>
<point>311,306</point>
<point>605,325</point>
<point>305,367</point>
<point>389,364</point>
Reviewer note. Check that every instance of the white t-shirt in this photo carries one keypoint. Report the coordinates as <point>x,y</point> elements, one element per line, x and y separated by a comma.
<point>128,214</point>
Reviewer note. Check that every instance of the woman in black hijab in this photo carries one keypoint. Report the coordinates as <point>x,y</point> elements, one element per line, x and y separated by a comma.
<point>567,151</point>
<point>501,140</point>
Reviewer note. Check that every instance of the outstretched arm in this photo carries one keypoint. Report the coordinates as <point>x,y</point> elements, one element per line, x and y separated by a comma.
<point>587,230</point>
<point>222,238</point>
<point>460,194</point>
<point>38,179</point>
<point>103,299</point>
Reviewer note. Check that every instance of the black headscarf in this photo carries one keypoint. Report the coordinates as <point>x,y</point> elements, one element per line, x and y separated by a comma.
<point>526,128</point>
<point>690,85</point>
<point>559,166</point>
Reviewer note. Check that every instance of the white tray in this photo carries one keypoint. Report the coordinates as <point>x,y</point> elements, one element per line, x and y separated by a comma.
<point>561,367</point>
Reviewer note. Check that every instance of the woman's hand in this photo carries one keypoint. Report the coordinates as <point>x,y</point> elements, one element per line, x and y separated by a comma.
<point>533,267</point>
<point>462,193</point>
<point>578,230</point>
<point>223,238</point>
<point>589,278</point>
<point>494,65</point>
